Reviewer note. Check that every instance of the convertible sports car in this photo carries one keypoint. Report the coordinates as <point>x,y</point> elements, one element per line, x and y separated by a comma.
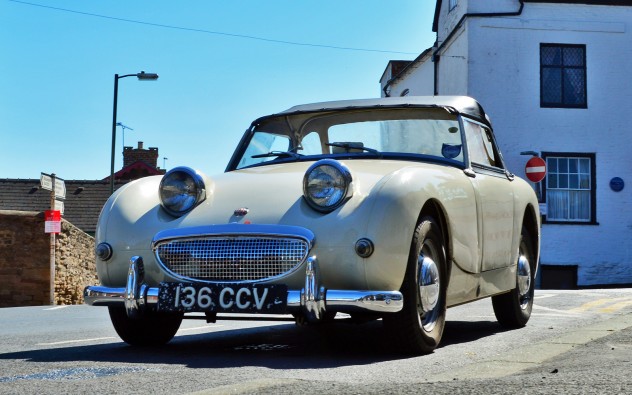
<point>391,209</point>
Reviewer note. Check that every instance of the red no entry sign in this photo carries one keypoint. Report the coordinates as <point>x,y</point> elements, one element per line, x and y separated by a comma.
<point>535,169</point>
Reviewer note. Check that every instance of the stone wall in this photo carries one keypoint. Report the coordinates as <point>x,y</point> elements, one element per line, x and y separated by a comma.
<point>74,264</point>
<point>25,261</point>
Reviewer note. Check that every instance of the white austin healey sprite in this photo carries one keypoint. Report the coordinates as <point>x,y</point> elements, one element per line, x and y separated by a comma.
<point>393,209</point>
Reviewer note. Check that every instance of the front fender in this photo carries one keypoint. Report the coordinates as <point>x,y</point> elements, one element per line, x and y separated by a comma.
<point>395,214</point>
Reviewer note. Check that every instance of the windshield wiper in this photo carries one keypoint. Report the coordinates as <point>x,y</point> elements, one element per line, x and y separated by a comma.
<point>350,146</point>
<point>278,154</point>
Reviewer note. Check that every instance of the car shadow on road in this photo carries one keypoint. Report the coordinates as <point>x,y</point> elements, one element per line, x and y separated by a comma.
<point>285,346</point>
<point>457,332</point>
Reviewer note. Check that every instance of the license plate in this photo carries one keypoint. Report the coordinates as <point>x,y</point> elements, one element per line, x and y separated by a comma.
<point>226,298</point>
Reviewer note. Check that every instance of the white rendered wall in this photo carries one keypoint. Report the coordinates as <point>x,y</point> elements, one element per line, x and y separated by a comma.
<point>497,61</point>
<point>504,75</point>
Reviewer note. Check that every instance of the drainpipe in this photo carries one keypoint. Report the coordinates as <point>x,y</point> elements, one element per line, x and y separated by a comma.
<point>436,57</point>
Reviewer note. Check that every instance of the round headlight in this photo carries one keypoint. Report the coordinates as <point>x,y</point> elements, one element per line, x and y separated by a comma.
<point>181,189</point>
<point>326,185</point>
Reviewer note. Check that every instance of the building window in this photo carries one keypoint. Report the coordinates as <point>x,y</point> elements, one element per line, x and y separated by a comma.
<point>452,5</point>
<point>569,188</point>
<point>563,76</point>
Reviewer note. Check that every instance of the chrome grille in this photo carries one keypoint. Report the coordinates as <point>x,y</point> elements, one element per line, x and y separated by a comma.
<point>232,258</point>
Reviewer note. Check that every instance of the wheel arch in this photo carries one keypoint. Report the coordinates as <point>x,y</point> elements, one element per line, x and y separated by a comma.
<point>531,223</point>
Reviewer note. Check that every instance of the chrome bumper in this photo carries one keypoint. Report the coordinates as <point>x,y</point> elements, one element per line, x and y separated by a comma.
<point>311,302</point>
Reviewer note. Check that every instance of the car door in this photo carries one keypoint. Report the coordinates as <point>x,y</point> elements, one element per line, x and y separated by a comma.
<point>494,196</point>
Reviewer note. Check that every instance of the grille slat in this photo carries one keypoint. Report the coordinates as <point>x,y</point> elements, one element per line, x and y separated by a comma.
<point>234,258</point>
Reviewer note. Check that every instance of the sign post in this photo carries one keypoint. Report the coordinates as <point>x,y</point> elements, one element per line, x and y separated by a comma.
<point>52,220</point>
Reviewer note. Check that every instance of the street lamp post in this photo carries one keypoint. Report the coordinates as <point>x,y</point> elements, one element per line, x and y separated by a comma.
<point>142,76</point>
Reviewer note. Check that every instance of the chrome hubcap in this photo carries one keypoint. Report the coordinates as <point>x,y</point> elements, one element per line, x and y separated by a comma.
<point>429,286</point>
<point>524,280</point>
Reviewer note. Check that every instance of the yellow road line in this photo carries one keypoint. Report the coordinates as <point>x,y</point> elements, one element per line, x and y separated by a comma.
<point>616,306</point>
<point>596,303</point>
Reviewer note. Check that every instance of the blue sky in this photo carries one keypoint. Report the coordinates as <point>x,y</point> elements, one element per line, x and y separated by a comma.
<point>57,73</point>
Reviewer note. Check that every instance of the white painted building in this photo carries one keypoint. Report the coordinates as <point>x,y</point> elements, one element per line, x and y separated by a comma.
<point>556,78</point>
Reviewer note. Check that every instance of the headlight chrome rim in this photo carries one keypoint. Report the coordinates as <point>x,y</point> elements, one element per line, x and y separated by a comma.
<point>327,185</point>
<point>181,190</point>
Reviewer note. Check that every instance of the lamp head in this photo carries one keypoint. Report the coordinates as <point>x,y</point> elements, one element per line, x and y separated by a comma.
<point>142,76</point>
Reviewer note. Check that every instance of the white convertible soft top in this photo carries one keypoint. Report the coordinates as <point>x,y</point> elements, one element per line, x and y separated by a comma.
<point>462,104</point>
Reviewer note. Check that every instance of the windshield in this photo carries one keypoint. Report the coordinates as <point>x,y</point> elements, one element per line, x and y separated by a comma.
<point>414,134</point>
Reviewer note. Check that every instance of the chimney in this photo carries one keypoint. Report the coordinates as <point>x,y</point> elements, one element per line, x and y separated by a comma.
<point>133,155</point>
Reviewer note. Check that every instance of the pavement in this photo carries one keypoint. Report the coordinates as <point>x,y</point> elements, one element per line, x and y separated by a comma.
<point>595,359</point>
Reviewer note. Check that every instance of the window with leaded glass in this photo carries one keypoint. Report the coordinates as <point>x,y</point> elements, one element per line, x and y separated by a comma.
<point>563,76</point>
<point>569,188</point>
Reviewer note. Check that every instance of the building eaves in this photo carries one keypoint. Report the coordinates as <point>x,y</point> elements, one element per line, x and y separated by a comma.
<point>396,67</point>
<point>435,21</point>
<point>407,68</point>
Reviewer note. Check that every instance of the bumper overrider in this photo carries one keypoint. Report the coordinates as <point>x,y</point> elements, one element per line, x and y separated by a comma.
<point>311,302</point>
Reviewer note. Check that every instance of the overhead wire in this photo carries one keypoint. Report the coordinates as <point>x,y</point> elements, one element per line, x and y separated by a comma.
<point>196,30</point>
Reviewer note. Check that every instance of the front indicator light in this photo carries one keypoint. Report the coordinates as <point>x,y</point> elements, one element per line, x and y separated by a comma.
<point>103,251</point>
<point>364,248</point>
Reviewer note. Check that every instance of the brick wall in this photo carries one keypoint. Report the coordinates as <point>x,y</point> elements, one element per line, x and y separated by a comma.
<point>133,155</point>
<point>25,261</point>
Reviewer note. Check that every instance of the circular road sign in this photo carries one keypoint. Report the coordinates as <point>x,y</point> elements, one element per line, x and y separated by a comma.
<point>535,169</point>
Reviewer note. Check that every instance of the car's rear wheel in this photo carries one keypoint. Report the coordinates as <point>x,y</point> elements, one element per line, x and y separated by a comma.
<point>148,329</point>
<point>418,327</point>
<point>513,309</point>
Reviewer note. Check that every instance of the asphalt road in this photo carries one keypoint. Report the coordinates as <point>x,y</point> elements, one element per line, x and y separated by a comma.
<point>576,342</point>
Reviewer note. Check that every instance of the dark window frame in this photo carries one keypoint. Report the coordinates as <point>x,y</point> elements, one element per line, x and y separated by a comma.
<point>562,67</point>
<point>593,186</point>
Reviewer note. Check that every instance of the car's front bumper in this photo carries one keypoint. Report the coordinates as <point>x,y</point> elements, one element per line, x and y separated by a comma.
<point>310,302</point>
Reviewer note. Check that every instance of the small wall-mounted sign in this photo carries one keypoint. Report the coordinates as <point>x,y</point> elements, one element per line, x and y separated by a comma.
<point>52,221</point>
<point>617,184</point>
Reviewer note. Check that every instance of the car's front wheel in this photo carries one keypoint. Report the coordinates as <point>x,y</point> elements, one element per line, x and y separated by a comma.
<point>148,329</point>
<point>513,309</point>
<point>418,327</point>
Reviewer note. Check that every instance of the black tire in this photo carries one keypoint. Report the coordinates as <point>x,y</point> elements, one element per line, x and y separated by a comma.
<point>418,327</point>
<point>148,329</point>
<point>513,309</point>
